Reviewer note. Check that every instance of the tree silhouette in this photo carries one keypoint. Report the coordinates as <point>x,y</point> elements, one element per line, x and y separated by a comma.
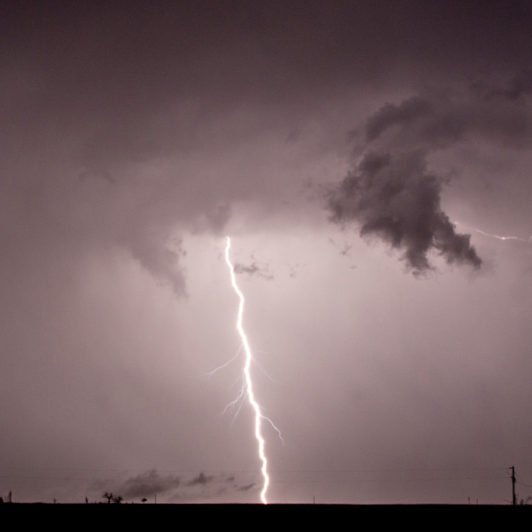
<point>109,496</point>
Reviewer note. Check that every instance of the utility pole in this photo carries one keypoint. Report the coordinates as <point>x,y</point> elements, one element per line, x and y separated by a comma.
<point>514,496</point>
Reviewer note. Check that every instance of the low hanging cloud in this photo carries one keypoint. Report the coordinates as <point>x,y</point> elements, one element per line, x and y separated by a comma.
<point>254,269</point>
<point>392,193</point>
<point>397,199</point>
<point>201,480</point>
<point>170,487</point>
<point>154,254</point>
<point>246,487</point>
<point>148,484</point>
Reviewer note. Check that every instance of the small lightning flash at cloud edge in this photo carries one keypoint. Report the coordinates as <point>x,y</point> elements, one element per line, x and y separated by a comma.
<point>504,237</point>
<point>247,377</point>
<point>495,236</point>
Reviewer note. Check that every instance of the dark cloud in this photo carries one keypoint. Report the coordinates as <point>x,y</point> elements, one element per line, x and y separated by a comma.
<point>398,200</point>
<point>151,483</point>
<point>247,487</point>
<point>201,480</point>
<point>254,269</point>
<point>516,88</point>
<point>389,114</point>
<point>152,251</point>
<point>112,88</point>
<point>148,484</point>
<point>440,118</point>
<point>392,192</point>
<point>218,217</point>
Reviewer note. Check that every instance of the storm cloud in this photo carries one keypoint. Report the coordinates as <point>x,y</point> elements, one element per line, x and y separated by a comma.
<point>254,269</point>
<point>393,193</point>
<point>201,480</point>
<point>148,484</point>
<point>151,483</point>
<point>396,199</point>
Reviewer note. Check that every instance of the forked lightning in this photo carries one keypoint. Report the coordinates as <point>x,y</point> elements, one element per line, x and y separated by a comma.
<point>247,377</point>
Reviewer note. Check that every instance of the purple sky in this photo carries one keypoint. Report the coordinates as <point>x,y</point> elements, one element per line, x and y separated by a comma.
<point>359,154</point>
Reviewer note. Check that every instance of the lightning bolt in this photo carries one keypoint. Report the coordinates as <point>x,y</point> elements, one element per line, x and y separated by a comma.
<point>247,377</point>
<point>495,236</point>
<point>503,237</point>
<point>224,365</point>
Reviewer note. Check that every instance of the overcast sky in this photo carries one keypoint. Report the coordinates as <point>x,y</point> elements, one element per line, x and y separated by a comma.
<point>364,157</point>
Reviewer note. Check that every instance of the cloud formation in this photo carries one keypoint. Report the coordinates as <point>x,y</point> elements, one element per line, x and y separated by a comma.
<point>148,484</point>
<point>170,487</point>
<point>398,200</point>
<point>202,479</point>
<point>393,193</point>
<point>388,115</point>
<point>254,269</point>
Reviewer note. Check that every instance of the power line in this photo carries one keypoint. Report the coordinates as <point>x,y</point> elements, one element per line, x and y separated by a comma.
<point>514,496</point>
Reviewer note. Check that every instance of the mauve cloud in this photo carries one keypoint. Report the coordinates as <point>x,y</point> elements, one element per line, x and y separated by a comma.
<point>390,114</point>
<point>253,268</point>
<point>394,194</point>
<point>152,483</point>
<point>148,484</point>
<point>201,480</point>
<point>398,200</point>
